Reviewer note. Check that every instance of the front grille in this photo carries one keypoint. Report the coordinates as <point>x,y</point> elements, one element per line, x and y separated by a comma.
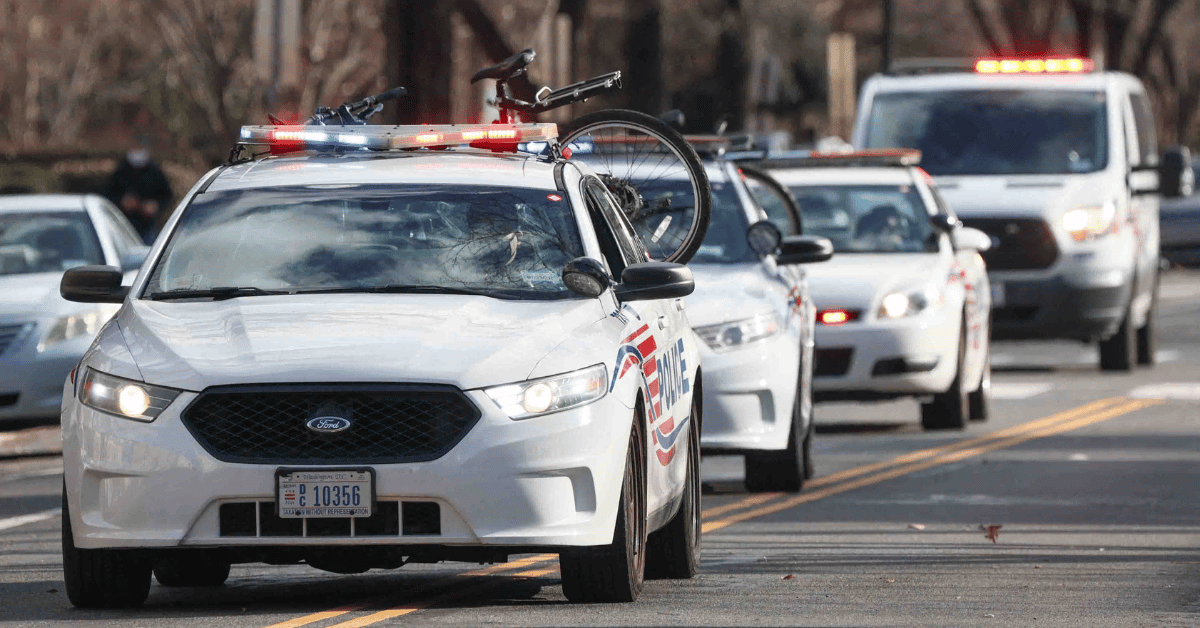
<point>10,333</point>
<point>832,362</point>
<point>261,519</point>
<point>388,423</point>
<point>1017,243</point>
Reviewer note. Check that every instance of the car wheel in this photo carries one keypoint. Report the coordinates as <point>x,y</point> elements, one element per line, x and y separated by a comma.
<point>104,578</point>
<point>191,570</point>
<point>949,410</point>
<point>1119,352</point>
<point>980,400</point>
<point>615,572</point>
<point>770,471</point>
<point>674,551</point>
<point>1147,337</point>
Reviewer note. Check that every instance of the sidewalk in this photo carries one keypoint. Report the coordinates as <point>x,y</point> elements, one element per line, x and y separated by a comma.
<point>34,441</point>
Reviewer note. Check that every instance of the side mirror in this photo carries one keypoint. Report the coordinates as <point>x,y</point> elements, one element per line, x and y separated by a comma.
<point>763,237</point>
<point>945,222</point>
<point>1175,175</point>
<point>133,258</point>
<point>968,238</point>
<point>804,250</point>
<point>93,284</point>
<point>655,280</point>
<point>586,277</point>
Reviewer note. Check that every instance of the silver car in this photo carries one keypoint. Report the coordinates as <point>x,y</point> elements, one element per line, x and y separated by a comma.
<point>43,336</point>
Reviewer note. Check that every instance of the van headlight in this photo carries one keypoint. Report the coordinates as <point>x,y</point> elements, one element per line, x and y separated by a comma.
<point>743,332</point>
<point>1090,221</point>
<point>903,304</point>
<point>82,324</point>
<point>536,397</point>
<point>124,397</point>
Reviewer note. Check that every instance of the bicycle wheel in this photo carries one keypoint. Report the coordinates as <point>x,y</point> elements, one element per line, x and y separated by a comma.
<point>652,171</point>
<point>775,199</point>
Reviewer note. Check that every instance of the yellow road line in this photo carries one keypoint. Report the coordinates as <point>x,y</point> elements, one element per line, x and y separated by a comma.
<point>953,456</point>
<point>746,502</point>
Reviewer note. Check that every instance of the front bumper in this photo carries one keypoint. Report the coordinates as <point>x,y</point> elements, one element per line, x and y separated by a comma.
<point>884,359</point>
<point>748,396</point>
<point>1075,308</point>
<point>31,381</point>
<point>540,482</point>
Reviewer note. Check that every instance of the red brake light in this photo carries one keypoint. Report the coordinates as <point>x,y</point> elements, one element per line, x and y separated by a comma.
<point>836,316</point>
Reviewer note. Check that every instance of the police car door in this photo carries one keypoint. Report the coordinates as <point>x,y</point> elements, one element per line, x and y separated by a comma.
<point>669,363</point>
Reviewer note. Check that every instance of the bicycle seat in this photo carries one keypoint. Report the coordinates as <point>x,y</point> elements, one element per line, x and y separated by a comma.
<point>507,68</point>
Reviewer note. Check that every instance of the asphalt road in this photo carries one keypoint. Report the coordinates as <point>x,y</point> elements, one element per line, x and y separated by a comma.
<point>1092,478</point>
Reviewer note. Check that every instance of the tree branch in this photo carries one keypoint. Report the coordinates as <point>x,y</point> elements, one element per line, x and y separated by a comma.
<point>984,27</point>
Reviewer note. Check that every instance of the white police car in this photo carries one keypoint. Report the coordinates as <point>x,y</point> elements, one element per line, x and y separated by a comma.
<point>753,313</point>
<point>903,307</point>
<point>357,359</point>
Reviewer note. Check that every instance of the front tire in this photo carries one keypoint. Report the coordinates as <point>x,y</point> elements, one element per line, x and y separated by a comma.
<point>1119,352</point>
<point>1147,335</point>
<point>675,549</point>
<point>615,572</point>
<point>784,471</point>
<point>981,399</point>
<point>949,410</point>
<point>103,578</point>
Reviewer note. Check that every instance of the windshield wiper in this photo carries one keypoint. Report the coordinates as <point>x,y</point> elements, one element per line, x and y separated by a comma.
<point>217,294</point>
<point>413,289</point>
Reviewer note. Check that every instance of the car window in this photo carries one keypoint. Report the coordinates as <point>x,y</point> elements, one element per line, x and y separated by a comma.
<point>124,237</point>
<point>725,240</point>
<point>632,249</point>
<point>995,132</point>
<point>771,203</point>
<point>511,242</point>
<point>867,218</point>
<point>1143,119</point>
<point>41,242</point>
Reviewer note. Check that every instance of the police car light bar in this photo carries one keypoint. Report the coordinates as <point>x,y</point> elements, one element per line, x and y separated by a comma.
<point>877,157</point>
<point>380,137</point>
<point>1059,65</point>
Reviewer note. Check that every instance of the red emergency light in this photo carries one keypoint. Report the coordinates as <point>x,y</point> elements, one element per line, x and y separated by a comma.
<point>1053,65</point>
<point>294,138</point>
<point>836,316</point>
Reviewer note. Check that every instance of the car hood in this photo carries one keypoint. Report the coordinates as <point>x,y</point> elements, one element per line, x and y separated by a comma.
<point>30,294</point>
<point>857,281</point>
<point>727,292</point>
<point>1037,196</point>
<point>466,341</point>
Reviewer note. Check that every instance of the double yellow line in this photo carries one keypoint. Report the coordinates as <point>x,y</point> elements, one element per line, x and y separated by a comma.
<point>753,506</point>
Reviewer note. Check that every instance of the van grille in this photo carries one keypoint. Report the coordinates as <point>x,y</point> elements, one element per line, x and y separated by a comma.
<point>1017,243</point>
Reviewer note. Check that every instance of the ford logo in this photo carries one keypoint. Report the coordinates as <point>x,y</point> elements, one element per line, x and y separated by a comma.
<point>328,424</point>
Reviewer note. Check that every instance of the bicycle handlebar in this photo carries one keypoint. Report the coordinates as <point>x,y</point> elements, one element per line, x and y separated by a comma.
<point>356,112</point>
<point>371,101</point>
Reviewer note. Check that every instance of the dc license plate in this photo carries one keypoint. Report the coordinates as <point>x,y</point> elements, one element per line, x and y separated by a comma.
<point>324,493</point>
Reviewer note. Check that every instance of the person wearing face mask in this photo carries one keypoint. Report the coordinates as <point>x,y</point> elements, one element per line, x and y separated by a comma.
<point>140,188</point>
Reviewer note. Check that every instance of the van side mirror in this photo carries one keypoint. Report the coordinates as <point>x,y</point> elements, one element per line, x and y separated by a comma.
<point>804,250</point>
<point>1175,176</point>
<point>654,280</point>
<point>93,284</point>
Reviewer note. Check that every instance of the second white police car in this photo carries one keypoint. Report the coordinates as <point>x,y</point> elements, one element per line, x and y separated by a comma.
<point>357,359</point>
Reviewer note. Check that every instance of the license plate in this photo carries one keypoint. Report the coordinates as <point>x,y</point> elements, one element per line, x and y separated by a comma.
<point>324,493</point>
<point>997,294</point>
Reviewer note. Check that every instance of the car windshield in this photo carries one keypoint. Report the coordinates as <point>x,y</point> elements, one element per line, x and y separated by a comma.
<point>995,132</point>
<point>725,240</point>
<point>500,241</point>
<point>867,218</point>
<point>44,242</point>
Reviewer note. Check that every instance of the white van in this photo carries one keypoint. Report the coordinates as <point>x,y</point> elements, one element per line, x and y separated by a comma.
<point>1059,165</point>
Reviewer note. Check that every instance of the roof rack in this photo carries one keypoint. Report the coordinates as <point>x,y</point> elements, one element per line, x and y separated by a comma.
<point>869,158</point>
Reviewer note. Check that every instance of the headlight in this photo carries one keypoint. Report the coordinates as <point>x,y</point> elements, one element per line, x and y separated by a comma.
<point>551,394</point>
<point>85,324</point>
<point>902,304</point>
<point>1085,223</point>
<point>124,397</point>
<point>738,333</point>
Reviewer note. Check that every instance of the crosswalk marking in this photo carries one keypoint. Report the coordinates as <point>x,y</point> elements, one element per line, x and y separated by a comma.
<point>1179,391</point>
<point>1018,390</point>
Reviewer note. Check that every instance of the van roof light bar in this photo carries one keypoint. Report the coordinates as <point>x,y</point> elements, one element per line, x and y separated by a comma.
<point>993,65</point>
<point>869,158</point>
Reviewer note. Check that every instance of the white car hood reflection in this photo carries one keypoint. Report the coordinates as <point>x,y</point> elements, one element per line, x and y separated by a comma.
<point>857,281</point>
<point>726,293</point>
<point>468,341</point>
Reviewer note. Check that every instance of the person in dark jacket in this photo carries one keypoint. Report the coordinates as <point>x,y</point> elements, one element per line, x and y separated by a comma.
<point>140,188</point>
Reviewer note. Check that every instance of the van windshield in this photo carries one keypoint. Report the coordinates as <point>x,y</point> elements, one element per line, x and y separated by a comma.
<point>995,132</point>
